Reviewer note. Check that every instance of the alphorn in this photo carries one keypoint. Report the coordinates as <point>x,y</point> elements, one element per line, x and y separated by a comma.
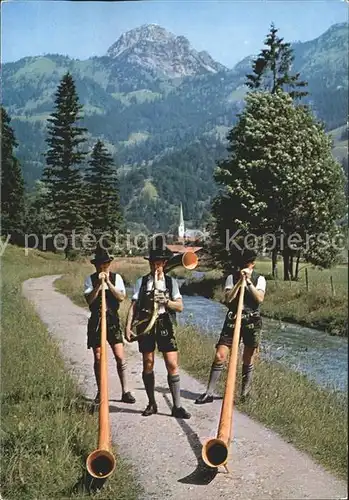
<point>189,260</point>
<point>215,451</point>
<point>101,462</point>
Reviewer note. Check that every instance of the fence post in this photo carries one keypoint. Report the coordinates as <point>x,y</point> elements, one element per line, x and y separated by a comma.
<point>332,287</point>
<point>306,279</point>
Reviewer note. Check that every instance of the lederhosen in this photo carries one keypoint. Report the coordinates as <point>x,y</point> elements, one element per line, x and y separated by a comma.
<point>251,321</point>
<point>114,333</point>
<point>162,334</point>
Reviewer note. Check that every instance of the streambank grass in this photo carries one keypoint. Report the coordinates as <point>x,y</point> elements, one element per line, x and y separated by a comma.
<point>47,431</point>
<point>311,418</point>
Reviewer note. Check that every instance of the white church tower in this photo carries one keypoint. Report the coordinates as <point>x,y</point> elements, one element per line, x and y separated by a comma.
<point>181,228</point>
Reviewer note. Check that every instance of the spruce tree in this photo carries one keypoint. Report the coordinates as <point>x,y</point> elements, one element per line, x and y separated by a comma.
<point>62,175</point>
<point>271,69</point>
<point>103,212</point>
<point>12,183</point>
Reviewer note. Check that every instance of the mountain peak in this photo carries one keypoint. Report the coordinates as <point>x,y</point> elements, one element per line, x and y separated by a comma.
<point>154,48</point>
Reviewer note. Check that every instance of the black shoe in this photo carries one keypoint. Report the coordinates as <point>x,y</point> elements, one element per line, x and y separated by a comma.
<point>180,413</point>
<point>204,398</point>
<point>151,409</point>
<point>128,398</point>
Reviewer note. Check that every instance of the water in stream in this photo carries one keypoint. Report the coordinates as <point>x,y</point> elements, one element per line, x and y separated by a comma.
<point>321,357</point>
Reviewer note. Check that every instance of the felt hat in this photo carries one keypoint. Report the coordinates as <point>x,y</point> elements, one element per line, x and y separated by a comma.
<point>158,251</point>
<point>101,256</point>
<point>247,255</point>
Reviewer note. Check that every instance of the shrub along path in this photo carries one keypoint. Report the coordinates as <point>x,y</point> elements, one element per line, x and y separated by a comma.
<point>166,452</point>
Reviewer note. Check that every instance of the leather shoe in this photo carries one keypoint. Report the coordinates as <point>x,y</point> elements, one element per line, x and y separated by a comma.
<point>180,413</point>
<point>151,409</point>
<point>204,398</point>
<point>128,398</point>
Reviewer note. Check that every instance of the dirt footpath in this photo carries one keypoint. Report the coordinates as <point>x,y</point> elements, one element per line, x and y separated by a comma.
<point>166,452</point>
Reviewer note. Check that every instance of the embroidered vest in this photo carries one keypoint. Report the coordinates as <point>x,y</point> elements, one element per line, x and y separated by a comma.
<point>144,303</point>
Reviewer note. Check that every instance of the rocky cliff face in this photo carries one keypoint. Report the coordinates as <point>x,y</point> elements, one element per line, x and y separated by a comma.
<point>155,49</point>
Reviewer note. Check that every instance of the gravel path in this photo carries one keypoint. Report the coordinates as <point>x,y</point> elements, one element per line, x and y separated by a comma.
<point>166,452</point>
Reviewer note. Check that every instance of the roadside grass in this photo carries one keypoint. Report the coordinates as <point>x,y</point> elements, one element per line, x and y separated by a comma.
<point>311,418</point>
<point>47,431</point>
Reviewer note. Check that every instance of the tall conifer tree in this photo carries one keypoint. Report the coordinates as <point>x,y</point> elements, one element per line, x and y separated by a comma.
<point>12,183</point>
<point>62,174</point>
<point>102,190</point>
<point>271,69</point>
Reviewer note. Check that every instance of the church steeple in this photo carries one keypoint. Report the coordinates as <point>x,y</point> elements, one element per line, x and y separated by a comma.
<point>181,223</point>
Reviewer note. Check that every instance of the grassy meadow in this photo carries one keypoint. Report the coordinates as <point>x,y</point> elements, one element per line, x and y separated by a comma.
<point>311,418</point>
<point>47,430</point>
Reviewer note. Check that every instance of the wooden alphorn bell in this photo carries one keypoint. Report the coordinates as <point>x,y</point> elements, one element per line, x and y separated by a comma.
<point>215,451</point>
<point>101,462</point>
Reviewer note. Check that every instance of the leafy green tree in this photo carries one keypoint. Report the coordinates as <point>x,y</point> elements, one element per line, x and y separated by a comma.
<point>62,174</point>
<point>271,69</point>
<point>103,211</point>
<point>12,184</point>
<point>280,179</point>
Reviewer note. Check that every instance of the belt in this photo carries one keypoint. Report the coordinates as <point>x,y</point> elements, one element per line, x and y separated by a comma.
<point>254,314</point>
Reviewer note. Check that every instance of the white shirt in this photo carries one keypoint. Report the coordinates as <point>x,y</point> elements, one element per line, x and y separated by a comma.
<point>119,285</point>
<point>261,283</point>
<point>161,286</point>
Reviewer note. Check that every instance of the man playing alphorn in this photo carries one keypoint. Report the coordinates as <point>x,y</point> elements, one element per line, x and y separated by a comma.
<point>251,324</point>
<point>114,294</point>
<point>169,301</point>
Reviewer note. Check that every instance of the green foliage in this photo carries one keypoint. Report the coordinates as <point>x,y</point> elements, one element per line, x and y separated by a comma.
<point>102,192</point>
<point>271,69</point>
<point>280,178</point>
<point>62,176</point>
<point>12,183</point>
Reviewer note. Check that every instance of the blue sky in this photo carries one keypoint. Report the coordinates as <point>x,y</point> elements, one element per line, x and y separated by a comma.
<point>228,30</point>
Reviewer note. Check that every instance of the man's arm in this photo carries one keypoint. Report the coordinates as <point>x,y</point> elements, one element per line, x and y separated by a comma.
<point>118,294</point>
<point>232,293</point>
<point>130,315</point>
<point>90,296</point>
<point>257,292</point>
<point>175,305</point>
